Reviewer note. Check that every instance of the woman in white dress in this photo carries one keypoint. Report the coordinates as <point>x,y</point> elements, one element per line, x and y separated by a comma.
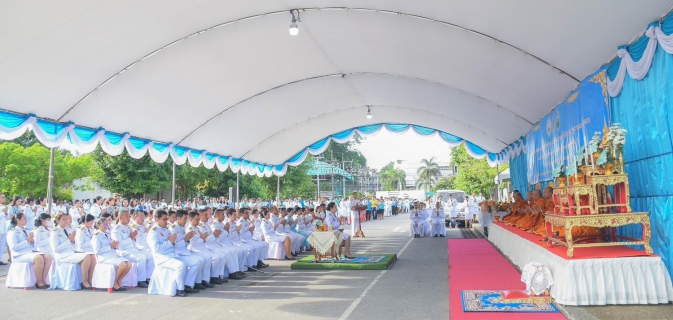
<point>84,234</point>
<point>104,248</point>
<point>333,224</point>
<point>471,211</point>
<point>22,246</point>
<point>28,210</point>
<point>96,208</point>
<point>42,232</point>
<point>62,243</point>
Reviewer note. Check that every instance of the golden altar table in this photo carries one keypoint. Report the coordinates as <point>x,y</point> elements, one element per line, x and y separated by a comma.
<point>609,221</point>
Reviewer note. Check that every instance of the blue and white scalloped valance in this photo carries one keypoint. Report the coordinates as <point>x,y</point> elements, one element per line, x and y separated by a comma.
<point>369,130</point>
<point>636,59</point>
<point>508,153</point>
<point>85,140</point>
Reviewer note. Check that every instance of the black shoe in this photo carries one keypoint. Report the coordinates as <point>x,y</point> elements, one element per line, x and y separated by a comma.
<point>199,286</point>
<point>261,264</point>
<point>241,274</point>
<point>189,289</point>
<point>2,263</point>
<point>41,287</point>
<point>147,282</point>
<point>234,276</point>
<point>142,284</point>
<point>120,289</point>
<point>207,285</point>
<point>441,236</point>
<point>85,287</point>
<point>293,258</point>
<point>215,280</point>
<point>223,280</point>
<point>250,269</point>
<point>180,293</point>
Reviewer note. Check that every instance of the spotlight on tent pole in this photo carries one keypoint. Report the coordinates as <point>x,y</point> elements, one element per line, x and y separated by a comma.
<point>369,112</point>
<point>294,29</point>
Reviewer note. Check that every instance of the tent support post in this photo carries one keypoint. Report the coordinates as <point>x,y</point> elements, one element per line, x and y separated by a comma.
<point>278,191</point>
<point>50,184</point>
<point>497,193</point>
<point>237,190</point>
<point>173,187</point>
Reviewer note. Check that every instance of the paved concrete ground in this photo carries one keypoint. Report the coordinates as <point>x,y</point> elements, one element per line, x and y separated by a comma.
<point>415,287</point>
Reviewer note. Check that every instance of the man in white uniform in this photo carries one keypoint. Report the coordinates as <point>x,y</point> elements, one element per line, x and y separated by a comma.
<point>356,206</point>
<point>144,261</point>
<point>417,221</point>
<point>438,220</point>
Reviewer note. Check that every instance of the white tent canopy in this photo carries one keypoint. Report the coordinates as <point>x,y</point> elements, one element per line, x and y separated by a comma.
<point>503,176</point>
<point>225,77</point>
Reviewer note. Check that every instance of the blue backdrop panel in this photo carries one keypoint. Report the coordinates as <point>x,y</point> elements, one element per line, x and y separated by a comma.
<point>555,140</point>
<point>643,108</point>
<point>518,171</point>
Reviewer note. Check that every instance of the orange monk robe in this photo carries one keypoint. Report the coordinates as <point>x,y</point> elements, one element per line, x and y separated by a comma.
<point>516,213</point>
<point>529,220</point>
<point>540,227</point>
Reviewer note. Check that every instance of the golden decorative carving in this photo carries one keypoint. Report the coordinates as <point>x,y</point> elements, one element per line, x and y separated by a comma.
<point>572,98</point>
<point>602,80</point>
<point>610,180</point>
<point>599,221</point>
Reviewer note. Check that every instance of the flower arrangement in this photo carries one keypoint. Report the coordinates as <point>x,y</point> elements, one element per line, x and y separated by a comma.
<point>317,223</point>
<point>595,142</point>
<point>617,137</point>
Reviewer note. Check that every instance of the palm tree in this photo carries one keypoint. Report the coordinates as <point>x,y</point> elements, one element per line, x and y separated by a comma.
<point>428,173</point>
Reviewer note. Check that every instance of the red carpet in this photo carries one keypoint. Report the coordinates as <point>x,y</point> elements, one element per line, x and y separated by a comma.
<point>474,264</point>
<point>580,253</point>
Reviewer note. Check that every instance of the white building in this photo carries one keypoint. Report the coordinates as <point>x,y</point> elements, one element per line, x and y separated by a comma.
<point>411,171</point>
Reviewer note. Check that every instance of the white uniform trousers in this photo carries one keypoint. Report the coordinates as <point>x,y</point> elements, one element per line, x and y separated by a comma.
<point>438,227</point>
<point>252,255</point>
<point>3,244</point>
<point>417,227</point>
<point>235,258</point>
<point>263,248</point>
<point>355,222</point>
<point>194,264</point>
<point>140,260</point>
<point>230,258</point>
<point>182,269</point>
<point>212,261</point>
<point>427,228</point>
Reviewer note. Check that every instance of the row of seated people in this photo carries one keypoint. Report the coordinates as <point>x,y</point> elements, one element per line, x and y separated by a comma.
<point>530,215</point>
<point>427,222</point>
<point>202,249</point>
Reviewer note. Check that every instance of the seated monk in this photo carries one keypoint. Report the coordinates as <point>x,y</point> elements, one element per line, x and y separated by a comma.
<point>540,227</point>
<point>529,221</point>
<point>517,209</point>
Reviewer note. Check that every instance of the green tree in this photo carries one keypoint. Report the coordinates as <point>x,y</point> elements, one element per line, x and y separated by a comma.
<point>474,175</point>
<point>129,176</point>
<point>444,183</point>
<point>25,171</point>
<point>428,173</point>
<point>295,183</point>
<point>391,178</point>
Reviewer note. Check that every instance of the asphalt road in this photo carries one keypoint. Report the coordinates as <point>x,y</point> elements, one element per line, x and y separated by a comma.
<point>416,286</point>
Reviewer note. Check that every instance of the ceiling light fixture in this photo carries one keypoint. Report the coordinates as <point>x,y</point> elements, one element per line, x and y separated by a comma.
<point>369,112</point>
<point>294,29</point>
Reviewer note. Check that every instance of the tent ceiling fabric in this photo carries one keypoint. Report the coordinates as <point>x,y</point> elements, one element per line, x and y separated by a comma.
<point>248,89</point>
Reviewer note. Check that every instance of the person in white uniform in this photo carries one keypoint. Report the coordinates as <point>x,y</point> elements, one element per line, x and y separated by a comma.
<point>245,233</point>
<point>122,233</point>
<point>96,208</point>
<point>41,234</point>
<point>84,234</point>
<point>197,245</point>
<point>183,237</point>
<point>427,223</point>
<point>62,244</point>
<point>22,246</point>
<point>355,207</point>
<point>163,246</point>
<point>472,209</point>
<point>236,255</point>
<point>76,212</point>
<point>333,223</point>
<point>28,210</point>
<point>4,224</point>
<point>438,218</point>
<point>270,235</point>
<point>107,252</point>
<point>417,221</point>
<point>230,255</point>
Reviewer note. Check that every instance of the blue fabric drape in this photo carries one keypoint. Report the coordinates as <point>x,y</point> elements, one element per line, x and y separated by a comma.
<point>518,171</point>
<point>643,110</point>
